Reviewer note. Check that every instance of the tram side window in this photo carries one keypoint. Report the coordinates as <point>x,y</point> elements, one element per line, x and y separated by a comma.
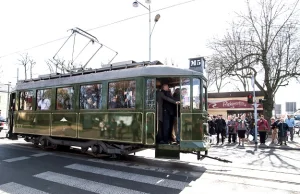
<point>26,100</point>
<point>64,98</point>
<point>91,96</point>
<point>185,93</point>
<point>204,98</point>
<point>44,99</point>
<point>122,94</point>
<point>196,93</point>
<point>150,94</point>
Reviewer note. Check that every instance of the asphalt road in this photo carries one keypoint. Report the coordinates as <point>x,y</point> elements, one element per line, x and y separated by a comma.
<point>25,169</point>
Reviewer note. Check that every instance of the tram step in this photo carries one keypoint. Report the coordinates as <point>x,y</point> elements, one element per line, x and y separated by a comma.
<point>167,151</point>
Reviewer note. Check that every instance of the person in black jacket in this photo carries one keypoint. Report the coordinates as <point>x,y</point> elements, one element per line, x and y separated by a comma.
<point>282,131</point>
<point>164,109</point>
<point>220,128</point>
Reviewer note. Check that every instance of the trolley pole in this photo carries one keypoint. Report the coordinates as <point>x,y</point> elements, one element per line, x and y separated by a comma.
<point>255,109</point>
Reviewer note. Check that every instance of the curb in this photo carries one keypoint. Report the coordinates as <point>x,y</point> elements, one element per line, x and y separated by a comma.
<point>259,147</point>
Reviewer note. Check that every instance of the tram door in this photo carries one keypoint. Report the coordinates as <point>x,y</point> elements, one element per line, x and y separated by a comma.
<point>165,149</point>
<point>11,110</point>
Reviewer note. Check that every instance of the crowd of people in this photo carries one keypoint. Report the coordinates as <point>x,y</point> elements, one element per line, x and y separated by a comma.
<point>242,126</point>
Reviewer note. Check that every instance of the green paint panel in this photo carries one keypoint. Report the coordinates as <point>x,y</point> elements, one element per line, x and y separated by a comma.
<point>150,128</point>
<point>32,123</point>
<point>117,126</point>
<point>170,154</point>
<point>192,126</point>
<point>64,125</point>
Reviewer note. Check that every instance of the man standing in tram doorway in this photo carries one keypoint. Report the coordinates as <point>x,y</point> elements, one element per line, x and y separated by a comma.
<point>164,109</point>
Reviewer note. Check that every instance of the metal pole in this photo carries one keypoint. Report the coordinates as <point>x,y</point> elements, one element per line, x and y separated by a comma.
<point>149,33</point>
<point>255,111</point>
<point>7,100</point>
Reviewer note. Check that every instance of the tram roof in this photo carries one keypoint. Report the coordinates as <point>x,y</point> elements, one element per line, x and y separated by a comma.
<point>94,76</point>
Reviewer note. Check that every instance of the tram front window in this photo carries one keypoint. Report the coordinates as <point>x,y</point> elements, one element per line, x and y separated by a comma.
<point>196,93</point>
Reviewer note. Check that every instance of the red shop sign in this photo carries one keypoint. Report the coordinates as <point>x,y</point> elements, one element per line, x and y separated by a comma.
<point>231,104</point>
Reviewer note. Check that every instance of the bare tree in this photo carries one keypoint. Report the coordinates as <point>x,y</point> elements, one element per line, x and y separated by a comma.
<point>61,64</point>
<point>24,61</point>
<point>32,64</point>
<point>265,43</point>
<point>215,73</point>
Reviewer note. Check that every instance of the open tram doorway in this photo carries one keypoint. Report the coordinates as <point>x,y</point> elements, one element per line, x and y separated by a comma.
<point>167,118</point>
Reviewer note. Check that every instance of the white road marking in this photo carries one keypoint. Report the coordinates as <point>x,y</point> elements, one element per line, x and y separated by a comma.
<point>131,165</point>
<point>15,188</point>
<point>130,176</point>
<point>84,184</point>
<point>16,159</point>
<point>41,154</point>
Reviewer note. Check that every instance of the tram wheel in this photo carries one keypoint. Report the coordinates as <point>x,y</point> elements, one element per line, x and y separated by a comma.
<point>84,149</point>
<point>54,146</point>
<point>198,155</point>
<point>43,143</point>
<point>206,152</point>
<point>95,149</point>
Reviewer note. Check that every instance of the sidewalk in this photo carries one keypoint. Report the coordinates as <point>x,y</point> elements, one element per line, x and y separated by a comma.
<point>291,145</point>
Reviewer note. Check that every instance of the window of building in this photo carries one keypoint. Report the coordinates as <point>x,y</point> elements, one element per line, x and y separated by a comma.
<point>290,107</point>
<point>44,99</point>
<point>150,94</point>
<point>26,100</point>
<point>122,94</point>
<point>277,109</point>
<point>91,96</point>
<point>64,98</point>
<point>185,93</point>
<point>196,93</point>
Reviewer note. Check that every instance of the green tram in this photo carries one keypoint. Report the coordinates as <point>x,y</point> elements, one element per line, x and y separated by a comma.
<point>111,110</point>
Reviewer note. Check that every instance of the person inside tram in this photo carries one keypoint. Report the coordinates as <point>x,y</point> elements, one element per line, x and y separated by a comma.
<point>44,103</point>
<point>113,103</point>
<point>185,98</point>
<point>165,111</point>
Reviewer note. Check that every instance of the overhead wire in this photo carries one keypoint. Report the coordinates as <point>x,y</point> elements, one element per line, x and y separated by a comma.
<point>102,26</point>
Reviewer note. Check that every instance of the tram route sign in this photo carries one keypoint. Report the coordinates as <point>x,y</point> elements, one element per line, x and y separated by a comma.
<point>197,64</point>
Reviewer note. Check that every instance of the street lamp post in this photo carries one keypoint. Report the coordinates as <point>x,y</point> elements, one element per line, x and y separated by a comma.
<point>136,4</point>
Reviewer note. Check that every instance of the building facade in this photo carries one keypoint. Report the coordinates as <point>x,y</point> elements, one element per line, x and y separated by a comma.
<point>233,103</point>
<point>3,103</point>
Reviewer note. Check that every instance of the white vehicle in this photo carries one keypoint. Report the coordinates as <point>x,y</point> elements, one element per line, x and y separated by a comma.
<point>297,122</point>
<point>3,127</point>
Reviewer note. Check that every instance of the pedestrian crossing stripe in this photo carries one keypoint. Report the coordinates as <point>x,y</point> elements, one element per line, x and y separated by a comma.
<point>15,188</point>
<point>130,176</point>
<point>163,181</point>
<point>84,184</point>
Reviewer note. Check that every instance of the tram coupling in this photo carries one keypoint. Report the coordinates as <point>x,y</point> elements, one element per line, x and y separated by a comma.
<point>202,156</point>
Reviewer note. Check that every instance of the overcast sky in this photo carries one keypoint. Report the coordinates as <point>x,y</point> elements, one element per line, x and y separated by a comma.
<point>182,32</point>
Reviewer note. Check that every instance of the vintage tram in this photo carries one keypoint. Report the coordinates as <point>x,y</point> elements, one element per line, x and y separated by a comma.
<point>109,110</point>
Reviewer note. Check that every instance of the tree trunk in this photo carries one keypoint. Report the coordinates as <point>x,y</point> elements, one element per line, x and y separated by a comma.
<point>268,106</point>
